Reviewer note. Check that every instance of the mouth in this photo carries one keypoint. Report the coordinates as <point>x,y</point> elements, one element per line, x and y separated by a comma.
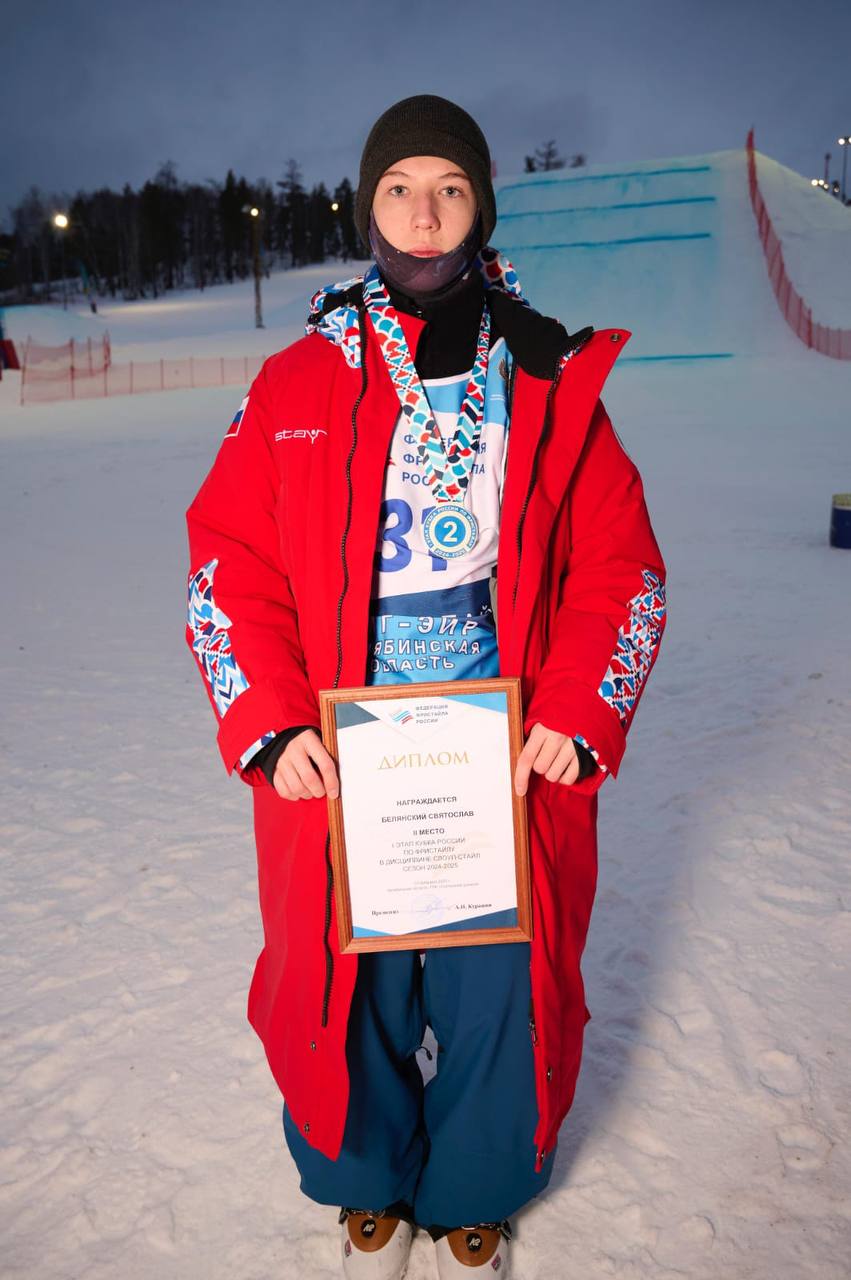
<point>424,251</point>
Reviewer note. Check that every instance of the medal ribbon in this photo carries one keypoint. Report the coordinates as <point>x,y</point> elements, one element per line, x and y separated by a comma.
<point>447,468</point>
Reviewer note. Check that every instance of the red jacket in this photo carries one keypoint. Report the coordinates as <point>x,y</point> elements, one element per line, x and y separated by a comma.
<point>282,536</point>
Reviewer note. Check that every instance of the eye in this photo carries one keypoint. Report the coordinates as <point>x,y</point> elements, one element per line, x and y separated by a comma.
<point>455,191</point>
<point>396,189</point>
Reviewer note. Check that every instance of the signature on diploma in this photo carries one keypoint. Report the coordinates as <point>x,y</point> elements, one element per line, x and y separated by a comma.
<point>426,903</point>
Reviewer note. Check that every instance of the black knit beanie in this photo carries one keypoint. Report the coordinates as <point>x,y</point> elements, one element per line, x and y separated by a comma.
<point>425,125</point>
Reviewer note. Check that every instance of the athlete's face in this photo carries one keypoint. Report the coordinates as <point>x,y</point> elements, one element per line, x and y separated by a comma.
<point>424,205</point>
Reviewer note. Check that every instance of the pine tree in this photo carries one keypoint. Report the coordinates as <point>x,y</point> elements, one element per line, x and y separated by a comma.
<point>350,245</point>
<point>29,220</point>
<point>547,157</point>
<point>295,200</point>
<point>231,200</point>
<point>320,223</point>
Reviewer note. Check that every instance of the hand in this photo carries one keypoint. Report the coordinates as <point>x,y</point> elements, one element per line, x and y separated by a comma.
<point>548,752</point>
<point>296,778</point>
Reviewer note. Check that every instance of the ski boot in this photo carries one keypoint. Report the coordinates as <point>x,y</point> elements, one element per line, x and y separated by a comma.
<point>375,1244</point>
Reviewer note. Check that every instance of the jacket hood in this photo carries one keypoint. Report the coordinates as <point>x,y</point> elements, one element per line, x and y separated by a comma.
<point>334,309</point>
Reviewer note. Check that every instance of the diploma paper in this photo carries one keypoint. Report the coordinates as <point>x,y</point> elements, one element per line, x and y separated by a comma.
<point>427,800</point>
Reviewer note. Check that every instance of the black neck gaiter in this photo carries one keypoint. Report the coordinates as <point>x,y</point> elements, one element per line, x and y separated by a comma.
<point>447,342</point>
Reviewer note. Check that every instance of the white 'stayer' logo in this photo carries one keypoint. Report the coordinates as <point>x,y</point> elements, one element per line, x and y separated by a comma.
<point>301,433</point>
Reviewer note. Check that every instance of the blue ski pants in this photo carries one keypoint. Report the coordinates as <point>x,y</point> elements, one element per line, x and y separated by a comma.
<point>459,1149</point>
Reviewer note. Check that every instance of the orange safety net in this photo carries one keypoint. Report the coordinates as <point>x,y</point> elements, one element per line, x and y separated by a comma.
<point>73,372</point>
<point>799,317</point>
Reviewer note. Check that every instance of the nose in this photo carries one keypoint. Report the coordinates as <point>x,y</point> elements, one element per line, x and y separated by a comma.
<point>425,213</point>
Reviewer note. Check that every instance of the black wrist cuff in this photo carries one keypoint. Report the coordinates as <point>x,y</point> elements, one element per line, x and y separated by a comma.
<point>266,759</point>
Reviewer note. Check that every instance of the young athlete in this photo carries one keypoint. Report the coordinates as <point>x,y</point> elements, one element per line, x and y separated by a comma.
<point>424,487</point>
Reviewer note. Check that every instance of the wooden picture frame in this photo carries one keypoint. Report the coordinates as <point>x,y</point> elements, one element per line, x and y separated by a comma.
<point>440,711</point>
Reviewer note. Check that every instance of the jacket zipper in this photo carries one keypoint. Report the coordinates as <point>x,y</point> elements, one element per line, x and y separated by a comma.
<point>510,392</point>
<point>329,877</point>
<point>533,477</point>
<point>533,1030</point>
<point>355,408</point>
<point>576,343</point>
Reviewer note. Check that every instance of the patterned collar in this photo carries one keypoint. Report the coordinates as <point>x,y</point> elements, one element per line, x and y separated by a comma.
<point>340,324</point>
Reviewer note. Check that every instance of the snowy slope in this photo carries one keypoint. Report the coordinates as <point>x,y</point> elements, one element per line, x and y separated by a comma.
<point>815,231</point>
<point>669,250</point>
<point>49,325</point>
<point>141,1127</point>
<point>218,321</point>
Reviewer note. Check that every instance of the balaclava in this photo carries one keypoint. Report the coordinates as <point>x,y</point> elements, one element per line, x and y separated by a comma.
<point>425,125</point>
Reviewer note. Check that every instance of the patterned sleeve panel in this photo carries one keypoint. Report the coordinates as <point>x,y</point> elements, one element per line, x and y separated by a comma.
<point>637,643</point>
<point>210,629</point>
<point>242,620</point>
<point>612,607</point>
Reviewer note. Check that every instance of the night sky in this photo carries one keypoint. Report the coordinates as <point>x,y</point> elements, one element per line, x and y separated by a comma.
<point>99,94</point>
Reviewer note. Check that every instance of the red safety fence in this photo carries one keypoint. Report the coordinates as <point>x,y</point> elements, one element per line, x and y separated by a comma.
<point>799,317</point>
<point>55,373</point>
<point>89,356</point>
<point>80,371</point>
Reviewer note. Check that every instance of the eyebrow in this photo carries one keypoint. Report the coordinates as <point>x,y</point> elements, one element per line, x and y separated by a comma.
<point>392,173</point>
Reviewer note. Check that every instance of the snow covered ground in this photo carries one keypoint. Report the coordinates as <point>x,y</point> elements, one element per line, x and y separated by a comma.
<point>218,321</point>
<point>709,1137</point>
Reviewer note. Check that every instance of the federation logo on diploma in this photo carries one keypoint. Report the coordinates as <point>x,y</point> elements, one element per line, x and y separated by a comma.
<point>428,837</point>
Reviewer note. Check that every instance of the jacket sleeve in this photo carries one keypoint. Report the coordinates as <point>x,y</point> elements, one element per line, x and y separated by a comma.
<point>611,607</point>
<point>242,623</point>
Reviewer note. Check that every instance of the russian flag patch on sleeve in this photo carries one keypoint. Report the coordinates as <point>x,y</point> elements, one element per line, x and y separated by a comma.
<point>233,429</point>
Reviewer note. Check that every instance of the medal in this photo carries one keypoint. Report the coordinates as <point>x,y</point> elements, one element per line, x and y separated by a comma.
<point>450,530</point>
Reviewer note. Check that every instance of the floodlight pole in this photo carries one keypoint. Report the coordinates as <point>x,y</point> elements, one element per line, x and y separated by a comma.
<point>844,144</point>
<point>255,215</point>
<point>60,221</point>
<point>258,307</point>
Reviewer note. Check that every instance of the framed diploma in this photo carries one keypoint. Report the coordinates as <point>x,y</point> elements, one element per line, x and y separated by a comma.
<point>428,837</point>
